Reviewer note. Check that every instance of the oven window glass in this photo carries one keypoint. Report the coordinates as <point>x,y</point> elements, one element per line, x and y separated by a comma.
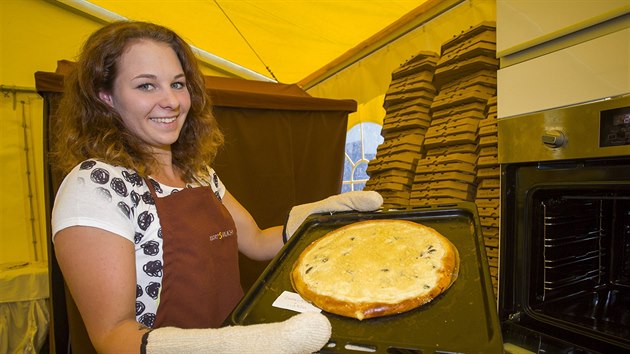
<point>580,260</point>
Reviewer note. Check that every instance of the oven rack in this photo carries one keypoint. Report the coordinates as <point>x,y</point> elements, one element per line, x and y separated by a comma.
<point>573,246</point>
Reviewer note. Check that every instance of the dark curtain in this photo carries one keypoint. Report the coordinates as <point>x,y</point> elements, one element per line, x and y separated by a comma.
<point>282,148</point>
<point>273,160</point>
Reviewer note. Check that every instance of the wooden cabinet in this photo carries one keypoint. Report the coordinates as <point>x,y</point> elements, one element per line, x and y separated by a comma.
<point>559,53</point>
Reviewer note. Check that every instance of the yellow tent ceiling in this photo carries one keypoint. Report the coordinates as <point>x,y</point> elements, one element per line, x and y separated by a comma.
<point>287,40</point>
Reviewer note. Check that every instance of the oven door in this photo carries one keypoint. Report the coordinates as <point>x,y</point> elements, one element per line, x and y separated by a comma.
<point>564,283</point>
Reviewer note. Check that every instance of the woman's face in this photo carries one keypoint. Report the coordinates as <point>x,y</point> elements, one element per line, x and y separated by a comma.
<point>150,93</point>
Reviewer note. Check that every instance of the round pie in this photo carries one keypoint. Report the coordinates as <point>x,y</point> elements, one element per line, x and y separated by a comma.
<point>375,268</point>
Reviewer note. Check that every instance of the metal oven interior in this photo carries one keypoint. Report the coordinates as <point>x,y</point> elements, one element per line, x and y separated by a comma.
<point>564,282</point>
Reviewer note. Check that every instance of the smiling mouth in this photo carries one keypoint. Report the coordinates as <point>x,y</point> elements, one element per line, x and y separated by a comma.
<point>164,120</point>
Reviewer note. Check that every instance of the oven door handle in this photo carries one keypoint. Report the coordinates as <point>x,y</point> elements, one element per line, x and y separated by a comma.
<point>559,165</point>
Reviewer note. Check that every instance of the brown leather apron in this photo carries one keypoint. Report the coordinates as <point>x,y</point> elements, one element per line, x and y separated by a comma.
<point>201,282</point>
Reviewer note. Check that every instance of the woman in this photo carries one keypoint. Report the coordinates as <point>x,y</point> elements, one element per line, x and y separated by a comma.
<point>145,233</point>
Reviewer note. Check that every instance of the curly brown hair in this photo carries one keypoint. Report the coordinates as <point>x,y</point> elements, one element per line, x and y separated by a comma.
<point>88,128</point>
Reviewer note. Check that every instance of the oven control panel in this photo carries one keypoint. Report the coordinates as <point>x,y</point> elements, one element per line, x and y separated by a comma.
<point>590,130</point>
<point>614,127</point>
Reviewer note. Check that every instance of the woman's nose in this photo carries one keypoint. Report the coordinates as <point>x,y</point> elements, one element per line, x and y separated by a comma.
<point>169,99</point>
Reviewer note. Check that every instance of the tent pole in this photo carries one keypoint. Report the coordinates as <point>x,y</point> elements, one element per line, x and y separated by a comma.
<point>31,202</point>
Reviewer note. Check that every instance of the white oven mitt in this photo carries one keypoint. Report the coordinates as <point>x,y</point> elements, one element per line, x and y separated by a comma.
<point>304,333</point>
<point>356,200</point>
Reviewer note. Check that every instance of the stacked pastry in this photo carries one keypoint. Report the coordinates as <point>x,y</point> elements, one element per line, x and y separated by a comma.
<point>441,147</point>
<point>488,188</point>
<point>407,118</point>
<point>465,77</point>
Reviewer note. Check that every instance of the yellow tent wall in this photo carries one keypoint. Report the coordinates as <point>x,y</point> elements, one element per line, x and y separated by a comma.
<point>34,34</point>
<point>367,80</point>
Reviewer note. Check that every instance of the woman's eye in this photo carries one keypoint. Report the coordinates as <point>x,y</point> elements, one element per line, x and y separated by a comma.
<point>146,87</point>
<point>178,85</point>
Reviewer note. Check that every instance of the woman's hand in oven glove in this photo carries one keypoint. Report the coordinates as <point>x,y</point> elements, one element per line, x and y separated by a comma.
<point>303,333</point>
<point>356,200</point>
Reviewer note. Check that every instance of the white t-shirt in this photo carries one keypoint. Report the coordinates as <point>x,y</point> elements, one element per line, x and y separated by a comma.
<point>118,200</point>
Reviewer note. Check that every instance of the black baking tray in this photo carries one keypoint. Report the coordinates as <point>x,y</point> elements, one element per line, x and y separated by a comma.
<point>461,320</point>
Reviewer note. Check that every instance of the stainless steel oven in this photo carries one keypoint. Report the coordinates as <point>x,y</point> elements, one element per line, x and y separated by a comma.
<point>564,274</point>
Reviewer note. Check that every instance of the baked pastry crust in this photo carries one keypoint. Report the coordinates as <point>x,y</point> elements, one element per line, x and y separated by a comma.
<point>375,268</point>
